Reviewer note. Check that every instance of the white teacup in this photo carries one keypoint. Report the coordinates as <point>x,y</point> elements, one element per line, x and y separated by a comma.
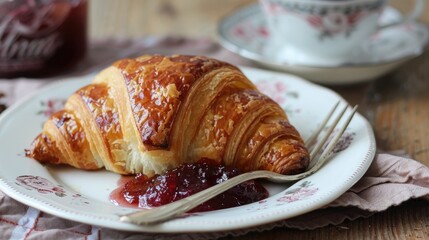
<point>325,29</point>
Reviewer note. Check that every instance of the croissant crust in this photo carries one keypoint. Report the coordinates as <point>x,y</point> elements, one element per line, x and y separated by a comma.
<point>153,113</point>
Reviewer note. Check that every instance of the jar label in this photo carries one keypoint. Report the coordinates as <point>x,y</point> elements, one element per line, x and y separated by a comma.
<point>28,34</point>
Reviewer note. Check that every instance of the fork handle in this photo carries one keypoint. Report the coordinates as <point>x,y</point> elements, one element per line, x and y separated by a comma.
<point>176,208</point>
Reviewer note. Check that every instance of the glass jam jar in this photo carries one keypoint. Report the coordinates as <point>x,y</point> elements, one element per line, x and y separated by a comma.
<point>40,38</point>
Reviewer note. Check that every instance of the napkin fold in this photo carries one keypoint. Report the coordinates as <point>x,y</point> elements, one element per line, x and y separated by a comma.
<point>389,181</point>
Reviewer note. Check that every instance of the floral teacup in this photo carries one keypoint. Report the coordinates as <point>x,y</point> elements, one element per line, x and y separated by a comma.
<point>325,29</point>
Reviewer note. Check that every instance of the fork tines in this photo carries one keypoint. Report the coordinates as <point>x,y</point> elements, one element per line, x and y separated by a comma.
<point>329,140</point>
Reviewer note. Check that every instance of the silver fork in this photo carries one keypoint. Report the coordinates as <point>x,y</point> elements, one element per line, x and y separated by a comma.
<point>169,211</point>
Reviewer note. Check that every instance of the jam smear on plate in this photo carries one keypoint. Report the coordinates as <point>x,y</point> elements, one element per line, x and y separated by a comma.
<point>183,181</point>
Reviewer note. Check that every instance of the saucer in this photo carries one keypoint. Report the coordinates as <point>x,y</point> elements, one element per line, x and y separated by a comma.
<point>245,33</point>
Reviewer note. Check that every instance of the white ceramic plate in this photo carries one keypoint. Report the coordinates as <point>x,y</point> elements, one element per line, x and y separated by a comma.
<point>83,195</point>
<point>245,33</point>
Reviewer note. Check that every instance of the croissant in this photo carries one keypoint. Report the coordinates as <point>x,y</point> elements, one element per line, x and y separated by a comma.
<point>153,113</point>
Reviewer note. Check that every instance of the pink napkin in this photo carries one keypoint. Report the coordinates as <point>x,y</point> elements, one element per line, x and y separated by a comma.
<point>390,180</point>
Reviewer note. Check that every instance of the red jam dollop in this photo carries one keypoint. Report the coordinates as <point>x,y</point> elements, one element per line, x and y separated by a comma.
<point>185,180</point>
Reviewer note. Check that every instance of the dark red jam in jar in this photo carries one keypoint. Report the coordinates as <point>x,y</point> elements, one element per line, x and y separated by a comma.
<point>41,37</point>
<point>184,181</point>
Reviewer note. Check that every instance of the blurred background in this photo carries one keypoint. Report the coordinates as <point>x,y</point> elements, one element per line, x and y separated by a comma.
<point>191,18</point>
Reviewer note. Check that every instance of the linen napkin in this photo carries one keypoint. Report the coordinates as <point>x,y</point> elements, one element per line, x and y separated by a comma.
<point>390,180</point>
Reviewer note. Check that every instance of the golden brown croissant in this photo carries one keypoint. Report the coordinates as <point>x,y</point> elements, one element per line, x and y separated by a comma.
<point>152,113</point>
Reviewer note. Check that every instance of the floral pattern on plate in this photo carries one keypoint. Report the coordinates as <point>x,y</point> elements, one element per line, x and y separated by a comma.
<point>44,186</point>
<point>280,92</point>
<point>50,106</point>
<point>40,184</point>
<point>304,190</point>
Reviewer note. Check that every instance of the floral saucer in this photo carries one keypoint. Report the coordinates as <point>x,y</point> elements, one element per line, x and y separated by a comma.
<point>245,33</point>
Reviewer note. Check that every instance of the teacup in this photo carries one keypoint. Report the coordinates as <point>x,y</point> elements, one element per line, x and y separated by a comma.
<point>325,29</point>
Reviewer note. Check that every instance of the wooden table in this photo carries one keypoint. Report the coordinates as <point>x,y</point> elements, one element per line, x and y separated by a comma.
<point>397,105</point>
